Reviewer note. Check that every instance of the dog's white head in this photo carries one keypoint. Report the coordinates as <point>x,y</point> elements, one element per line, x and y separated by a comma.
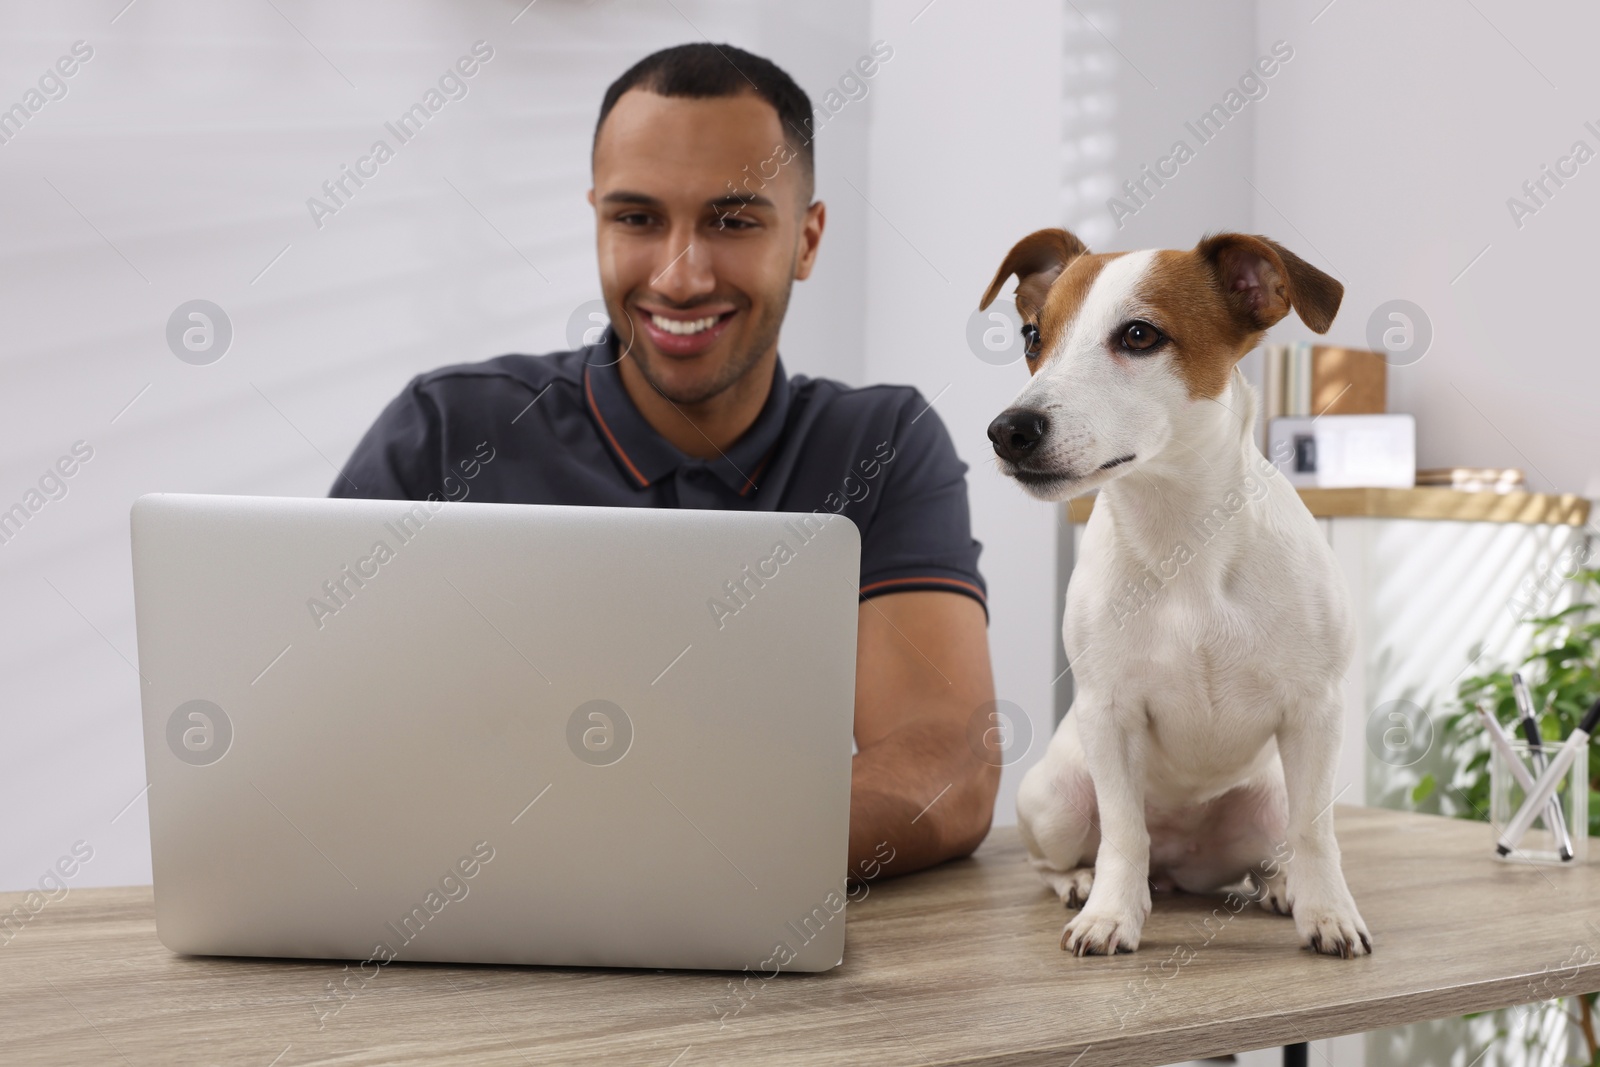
<point>1120,344</point>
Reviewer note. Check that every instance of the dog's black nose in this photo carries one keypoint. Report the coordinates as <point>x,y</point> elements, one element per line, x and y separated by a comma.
<point>1015,432</point>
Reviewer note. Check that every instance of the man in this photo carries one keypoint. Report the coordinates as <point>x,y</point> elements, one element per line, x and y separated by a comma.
<point>702,166</point>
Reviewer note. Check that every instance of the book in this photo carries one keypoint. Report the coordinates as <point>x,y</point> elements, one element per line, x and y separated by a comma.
<point>1305,380</point>
<point>1286,402</point>
<point>1302,379</point>
<point>1272,381</point>
<point>1347,381</point>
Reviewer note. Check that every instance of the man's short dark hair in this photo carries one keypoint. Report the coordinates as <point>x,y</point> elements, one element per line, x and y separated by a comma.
<point>706,70</point>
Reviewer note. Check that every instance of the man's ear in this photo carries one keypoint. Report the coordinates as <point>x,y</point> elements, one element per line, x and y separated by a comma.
<point>811,227</point>
<point>1262,280</point>
<point>1037,260</point>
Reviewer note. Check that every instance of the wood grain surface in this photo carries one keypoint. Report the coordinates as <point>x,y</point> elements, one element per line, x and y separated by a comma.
<point>959,965</point>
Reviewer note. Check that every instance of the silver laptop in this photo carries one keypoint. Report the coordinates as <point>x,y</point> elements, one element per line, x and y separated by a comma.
<point>497,733</point>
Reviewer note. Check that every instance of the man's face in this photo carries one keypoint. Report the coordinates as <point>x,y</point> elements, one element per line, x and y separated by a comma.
<point>702,227</point>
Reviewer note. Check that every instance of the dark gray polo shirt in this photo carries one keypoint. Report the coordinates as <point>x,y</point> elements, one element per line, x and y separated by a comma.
<point>560,429</point>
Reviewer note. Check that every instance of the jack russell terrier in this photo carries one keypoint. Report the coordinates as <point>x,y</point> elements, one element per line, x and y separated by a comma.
<point>1206,623</point>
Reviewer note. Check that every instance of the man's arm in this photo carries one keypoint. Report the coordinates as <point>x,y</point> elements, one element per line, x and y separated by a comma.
<point>922,672</point>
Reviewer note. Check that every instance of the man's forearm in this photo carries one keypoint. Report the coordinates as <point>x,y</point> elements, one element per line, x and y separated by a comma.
<point>918,798</point>
<point>920,792</point>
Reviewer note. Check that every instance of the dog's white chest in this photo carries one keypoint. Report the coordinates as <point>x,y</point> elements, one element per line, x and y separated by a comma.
<point>1207,705</point>
<point>1203,657</point>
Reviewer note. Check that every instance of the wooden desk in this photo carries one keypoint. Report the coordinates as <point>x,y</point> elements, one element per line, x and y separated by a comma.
<point>956,965</point>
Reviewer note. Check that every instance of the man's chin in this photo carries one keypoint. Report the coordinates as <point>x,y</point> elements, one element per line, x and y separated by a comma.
<point>684,380</point>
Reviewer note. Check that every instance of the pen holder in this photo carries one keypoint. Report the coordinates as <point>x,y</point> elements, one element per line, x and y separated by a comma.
<point>1538,845</point>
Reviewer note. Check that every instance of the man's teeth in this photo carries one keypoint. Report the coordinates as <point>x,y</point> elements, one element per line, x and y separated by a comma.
<point>681,326</point>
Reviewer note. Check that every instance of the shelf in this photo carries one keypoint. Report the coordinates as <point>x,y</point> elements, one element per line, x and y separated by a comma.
<point>1564,509</point>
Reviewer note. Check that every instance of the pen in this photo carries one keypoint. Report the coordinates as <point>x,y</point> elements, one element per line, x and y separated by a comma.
<point>1502,741</point>
<point>1545,787</point>
<point>1530,729</point>
<point>1499,739</point>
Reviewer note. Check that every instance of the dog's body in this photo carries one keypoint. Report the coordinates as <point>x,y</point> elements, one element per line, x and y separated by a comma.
<point>1206,624</point>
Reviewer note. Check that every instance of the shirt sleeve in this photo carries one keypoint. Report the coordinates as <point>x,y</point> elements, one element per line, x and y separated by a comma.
<point>398,458</point>
<point>920,535</point>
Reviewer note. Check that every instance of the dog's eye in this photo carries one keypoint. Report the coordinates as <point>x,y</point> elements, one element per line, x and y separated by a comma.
<point>1140,337</point>
<point>1030,340</point>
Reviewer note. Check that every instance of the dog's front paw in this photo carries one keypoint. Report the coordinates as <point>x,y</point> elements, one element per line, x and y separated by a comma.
<point>1332,929</point>
<point>1079,883</point>
<point>1071,886</point>
<point>1101,934</point>
<point>1272,892</point>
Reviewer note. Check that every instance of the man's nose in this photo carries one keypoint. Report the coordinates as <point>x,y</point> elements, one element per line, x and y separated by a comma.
<point>1016,431</point>
<point>686,274</point>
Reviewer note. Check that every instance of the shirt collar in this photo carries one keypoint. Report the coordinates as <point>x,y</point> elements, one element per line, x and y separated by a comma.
<point>649,457</point>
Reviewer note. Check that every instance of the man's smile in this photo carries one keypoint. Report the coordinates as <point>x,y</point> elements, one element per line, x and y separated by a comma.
<point>687,331</point>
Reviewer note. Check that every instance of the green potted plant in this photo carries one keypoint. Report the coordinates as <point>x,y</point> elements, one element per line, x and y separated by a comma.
<point>1562,669</point>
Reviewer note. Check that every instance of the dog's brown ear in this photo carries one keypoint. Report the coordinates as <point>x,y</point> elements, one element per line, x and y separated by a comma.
<point>1037,260</point>
<point>1262,280</point>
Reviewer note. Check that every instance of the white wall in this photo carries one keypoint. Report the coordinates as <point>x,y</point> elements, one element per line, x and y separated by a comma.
<point>964,160</point>
<point>1039,111</point>
<point>1400,136</point>
<point>1135,74</point>
<point>179,163</point>
<point>1171,61</point>
<point>191,141</point>
<point>178,166</point>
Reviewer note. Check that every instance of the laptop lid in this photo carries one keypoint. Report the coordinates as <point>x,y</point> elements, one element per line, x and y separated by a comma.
<point>497,733</point>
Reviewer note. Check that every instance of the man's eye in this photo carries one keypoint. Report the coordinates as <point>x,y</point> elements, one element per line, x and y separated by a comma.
<point>1030,340</point>
<point>634,218</point>
<point>1140,337</point>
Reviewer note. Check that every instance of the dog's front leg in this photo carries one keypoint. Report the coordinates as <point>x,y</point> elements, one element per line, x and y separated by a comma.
<point>1119,903</point>
<point>1325,914</point>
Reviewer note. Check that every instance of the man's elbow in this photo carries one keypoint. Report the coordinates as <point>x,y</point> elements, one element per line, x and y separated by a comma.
<point>969,821</point>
